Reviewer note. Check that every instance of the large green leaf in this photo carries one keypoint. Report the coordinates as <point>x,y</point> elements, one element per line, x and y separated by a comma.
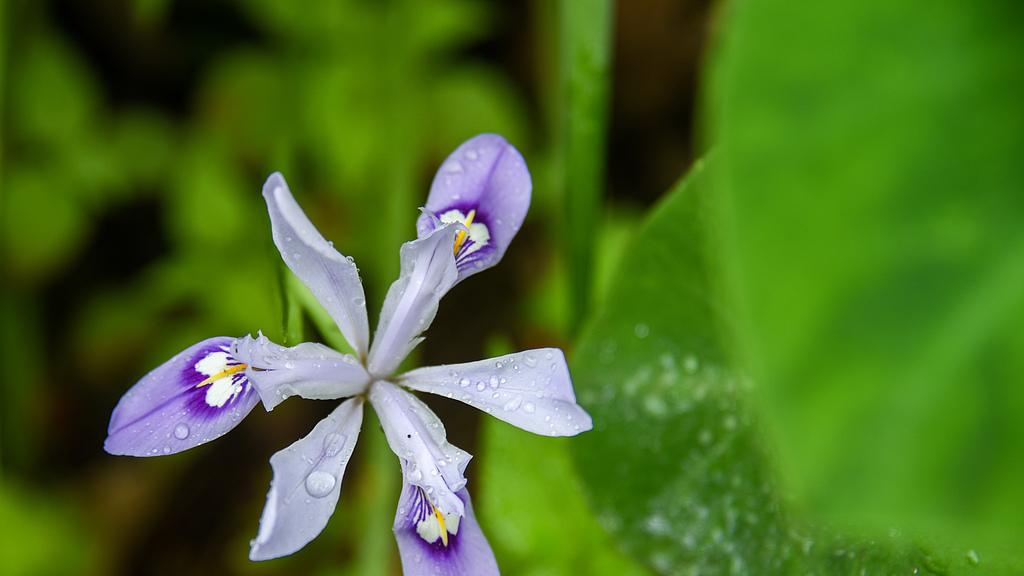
<point>674,465</point>
<point>874,195</point>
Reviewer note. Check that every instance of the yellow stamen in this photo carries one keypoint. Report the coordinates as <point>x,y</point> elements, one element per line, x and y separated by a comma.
<point>440,521</point>
<point>461,236</point>
<point>225,372</point>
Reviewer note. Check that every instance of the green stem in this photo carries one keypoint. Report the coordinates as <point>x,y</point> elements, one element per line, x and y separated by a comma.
<point>379,493</point>
<point>586,39</point>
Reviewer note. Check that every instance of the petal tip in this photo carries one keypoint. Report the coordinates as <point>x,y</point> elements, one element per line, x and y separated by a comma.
<point>588,424</point>
<point>256,554</point>
<point>275,180</point>
<point>110,447</point>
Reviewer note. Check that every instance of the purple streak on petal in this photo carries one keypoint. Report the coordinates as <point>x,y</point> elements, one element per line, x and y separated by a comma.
<point>176,406</point>
<point>532,390</point>
<point>417,437</point>
<point>309,370</point>
<point>307,483</point>
<point>467,552</point>
<point>428,272</point>
<point>488,175</point>
<point>331,277</point>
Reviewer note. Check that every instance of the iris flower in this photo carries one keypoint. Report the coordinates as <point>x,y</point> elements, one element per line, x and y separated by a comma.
<point>476,205</point>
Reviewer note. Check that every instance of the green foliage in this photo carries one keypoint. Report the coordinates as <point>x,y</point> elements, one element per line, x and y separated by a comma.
<point>41,535</point>
<point>586,28</point>
<point>806,361</point>
<point>532,508</point>
<point>871,184</point>
<point>674,464</point>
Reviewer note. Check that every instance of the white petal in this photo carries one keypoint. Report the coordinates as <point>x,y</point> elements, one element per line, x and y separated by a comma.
<point>428,272</point>
<point>307,483</point>
<point>332,278</point>
<point>309,370</point>
<point>417,436</point>
<point>531,390</point>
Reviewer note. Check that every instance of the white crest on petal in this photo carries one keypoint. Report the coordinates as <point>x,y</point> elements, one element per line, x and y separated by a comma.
<point>230,384</point>
<point>223,390</point>
<point>213,363</point>
<point>427,519</point>
<point>478,237</point>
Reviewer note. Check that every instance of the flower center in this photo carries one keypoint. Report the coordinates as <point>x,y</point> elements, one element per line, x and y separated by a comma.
<point>431,523</point>
<point>468,241</point>
<point>461,236</point>
<point>223,378</point>
<point>223,373</point>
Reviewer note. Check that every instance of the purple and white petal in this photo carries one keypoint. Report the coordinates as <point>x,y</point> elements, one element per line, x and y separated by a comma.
<point>417,436</point>
<point>331,277</point>
<point>456,548</point>
<point>485,186</point>
<point>307,483</point>
<point>309,370</point>
<point>428,272</point>
<point>531,390</point>
<point>193,398</point>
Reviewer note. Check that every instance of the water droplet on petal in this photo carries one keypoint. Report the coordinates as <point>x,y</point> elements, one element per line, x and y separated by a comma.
<point>464,382</point>
<point>480,386</point>
<point>529,407</point>
<point>181,431</point>
<point>333,444</point>
<point>320,483</point>
<point>513,404</point>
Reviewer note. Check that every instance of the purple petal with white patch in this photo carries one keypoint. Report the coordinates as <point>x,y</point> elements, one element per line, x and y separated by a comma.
<point>485,186</point>
<point>417,436</point>
<point>309,370</point>
<point>432,544</point>
<point>531,390</point>
<point>307,483</point>
<point>193,398</point>
<point>331,277</point>
<point>428,272</point>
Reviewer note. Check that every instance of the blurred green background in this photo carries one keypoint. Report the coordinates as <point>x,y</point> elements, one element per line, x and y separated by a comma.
<point>136,136</point>
<point>781,241</point>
